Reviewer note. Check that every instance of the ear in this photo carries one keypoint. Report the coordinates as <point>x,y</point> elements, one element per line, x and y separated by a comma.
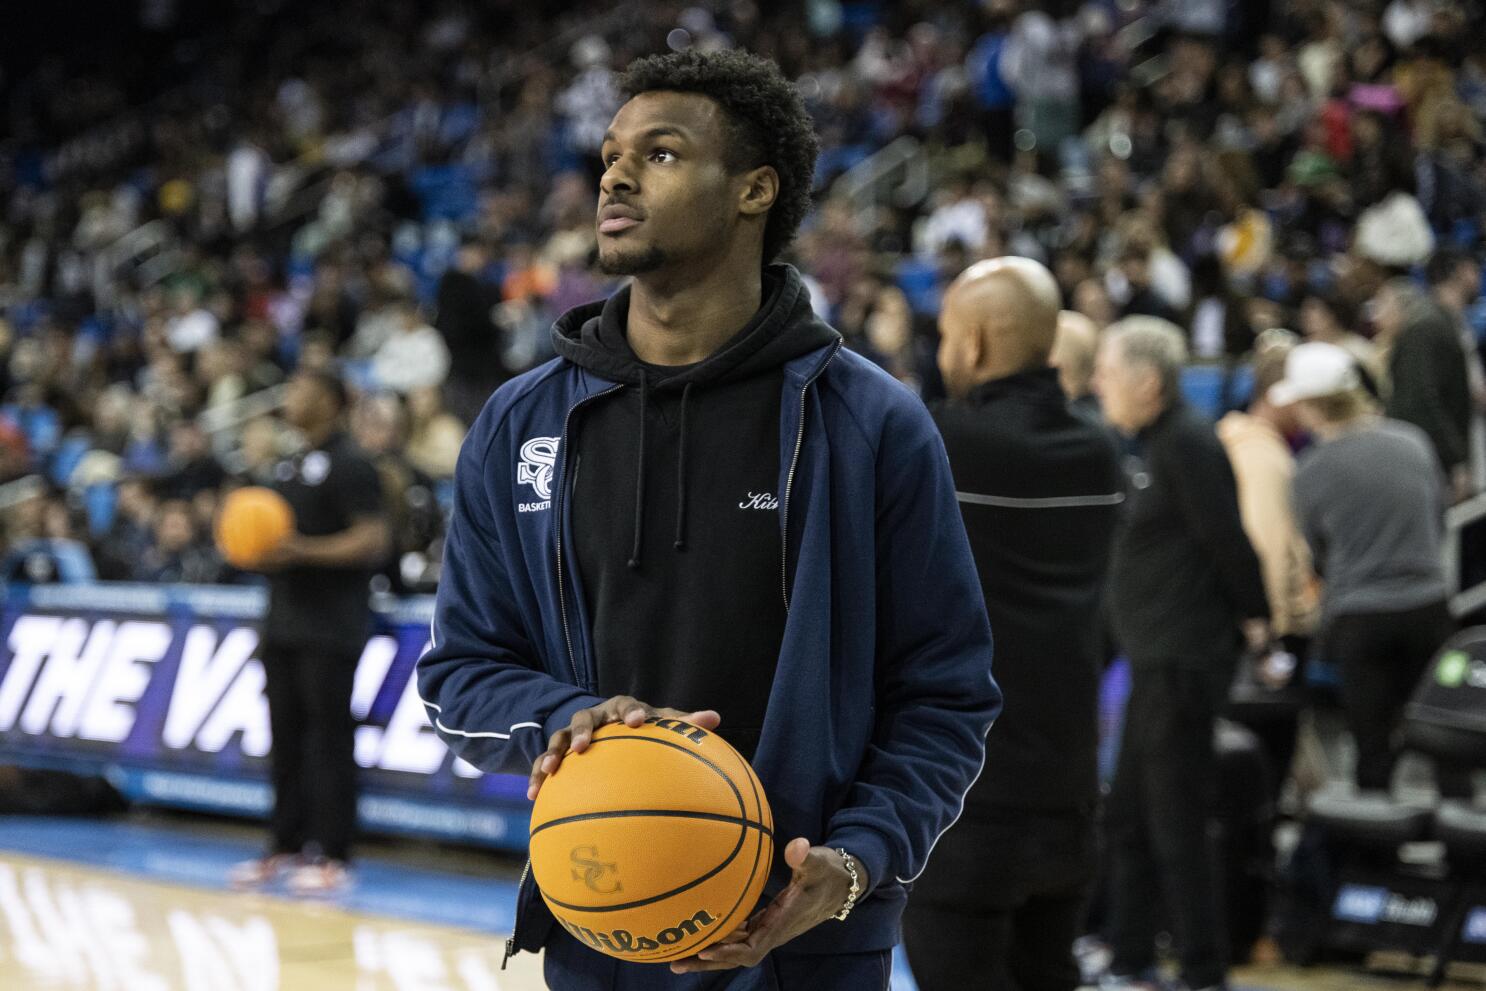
<point>760,190</point>
<point>974,344</point>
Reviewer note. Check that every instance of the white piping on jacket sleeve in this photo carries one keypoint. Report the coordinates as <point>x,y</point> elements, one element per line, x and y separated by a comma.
<point>485,735</point>
<point>958,812</point>
<point>438,724</point>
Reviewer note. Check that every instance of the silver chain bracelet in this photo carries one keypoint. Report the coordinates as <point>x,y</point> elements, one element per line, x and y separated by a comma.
<point>856,885</point>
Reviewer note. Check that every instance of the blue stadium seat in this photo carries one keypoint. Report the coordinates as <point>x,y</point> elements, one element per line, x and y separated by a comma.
<point>100,501</point>
<point>919,281</point>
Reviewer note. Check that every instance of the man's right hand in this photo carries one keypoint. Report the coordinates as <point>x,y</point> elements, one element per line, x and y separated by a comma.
<point>579,733</point>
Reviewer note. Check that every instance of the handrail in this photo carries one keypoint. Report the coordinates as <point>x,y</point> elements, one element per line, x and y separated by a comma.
<point>1457,518</point>
<point>15,492</point>
<point>230,415</point>
<point>899,169</point>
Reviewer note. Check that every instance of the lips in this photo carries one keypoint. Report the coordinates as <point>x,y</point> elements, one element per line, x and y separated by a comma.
<point>616,224</point>
<point>617,217</point>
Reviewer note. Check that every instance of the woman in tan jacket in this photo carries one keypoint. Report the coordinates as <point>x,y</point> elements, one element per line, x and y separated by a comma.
<point>1264,469</point>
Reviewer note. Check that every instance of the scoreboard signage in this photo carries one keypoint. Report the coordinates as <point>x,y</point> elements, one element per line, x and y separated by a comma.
<point>158,688</point>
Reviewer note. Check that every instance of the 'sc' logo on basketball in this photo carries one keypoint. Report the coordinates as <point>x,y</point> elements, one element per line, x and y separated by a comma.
<point>590,870</point>
<point>538,456</point>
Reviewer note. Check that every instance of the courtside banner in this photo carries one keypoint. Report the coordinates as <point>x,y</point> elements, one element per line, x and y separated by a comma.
<point>158,689</point>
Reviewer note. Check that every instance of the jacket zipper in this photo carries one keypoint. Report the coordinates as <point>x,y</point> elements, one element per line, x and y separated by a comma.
<point>562,603</point>
<point>789,481</point>
<point>511,940</point>
<point>562,606</point>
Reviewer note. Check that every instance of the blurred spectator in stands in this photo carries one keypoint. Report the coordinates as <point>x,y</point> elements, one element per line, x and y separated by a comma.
<point>994,97</point>
<point>260,360</point>
<point>1074,348</point>
<point>192,325</point>
<point>111,419</point>
<point>464,317</point>
<point>1370,501</point>
<point>1092,300</point>
<point>1137,280</point>
<point>190,464</point>
<point>390,286</point>
<point>888,339</point>
<point>15,454</point>
<point>332,306</point>
<point>414,357</point>
<point>379,427</point>
<point>177,553</point>
<point>434,434</point>
<point>1040,64</point>
<point>1186,596</point>
<point>1455,278</point>
<point>42,547</point>
<point>959,215</point>
<point>247,171</point>
<point>1325,317</point>
<point>131,531</point>
<point>258,451</point>
<point>219,372</point>
<point>317,353</point>
<point>1220,327</point>
<point>1427,373</point>
<point>590,100</point>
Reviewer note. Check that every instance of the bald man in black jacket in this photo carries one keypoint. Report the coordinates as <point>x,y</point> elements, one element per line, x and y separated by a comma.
<point>1039,485</point>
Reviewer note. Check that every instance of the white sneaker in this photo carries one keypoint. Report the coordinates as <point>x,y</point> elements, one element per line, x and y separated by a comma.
<point>320,877</point>
<point>262,870</point>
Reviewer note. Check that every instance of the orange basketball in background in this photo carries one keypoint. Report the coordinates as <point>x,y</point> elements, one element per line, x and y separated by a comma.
<point>253,521</point>
<point>654,843</point>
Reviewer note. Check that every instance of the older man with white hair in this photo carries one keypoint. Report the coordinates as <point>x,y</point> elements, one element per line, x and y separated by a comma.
<point>1186,593</point>
<point>1039,487</point>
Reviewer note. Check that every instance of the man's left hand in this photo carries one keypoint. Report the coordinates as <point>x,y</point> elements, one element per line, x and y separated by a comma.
<point>816,892</point>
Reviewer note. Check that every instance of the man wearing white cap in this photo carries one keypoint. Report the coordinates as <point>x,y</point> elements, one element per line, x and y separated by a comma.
<point>1370,500</point>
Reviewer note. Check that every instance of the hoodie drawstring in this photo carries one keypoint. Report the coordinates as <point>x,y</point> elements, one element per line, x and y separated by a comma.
<point>681,474</point>
<point>634,557</point>
<point>680,543</point>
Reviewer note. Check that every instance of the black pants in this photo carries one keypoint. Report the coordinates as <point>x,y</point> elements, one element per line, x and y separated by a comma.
<point>1158,815</point>
<point>1001,903</point>
<point>313,757</point>
<point>571,966</point>
<point>1382,656</point>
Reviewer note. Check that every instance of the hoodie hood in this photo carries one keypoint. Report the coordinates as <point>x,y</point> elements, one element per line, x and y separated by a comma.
<point>785,327</point>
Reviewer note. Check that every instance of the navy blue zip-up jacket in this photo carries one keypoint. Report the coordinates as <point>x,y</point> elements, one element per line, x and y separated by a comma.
<point>882,698</point>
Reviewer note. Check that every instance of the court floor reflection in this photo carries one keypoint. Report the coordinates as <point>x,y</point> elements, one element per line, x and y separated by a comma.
<point>79,929</point>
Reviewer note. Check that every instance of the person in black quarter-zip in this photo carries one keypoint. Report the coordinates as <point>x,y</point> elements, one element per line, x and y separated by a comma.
<point>704,503</point>
<point>1039,485</point>
<point>319,617</point>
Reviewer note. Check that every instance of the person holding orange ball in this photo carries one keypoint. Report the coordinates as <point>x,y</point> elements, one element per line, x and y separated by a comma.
<point>319,617</point>
<point>706,509</point>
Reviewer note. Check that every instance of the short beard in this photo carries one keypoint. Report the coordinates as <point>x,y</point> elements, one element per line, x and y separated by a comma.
<point>649,260</point>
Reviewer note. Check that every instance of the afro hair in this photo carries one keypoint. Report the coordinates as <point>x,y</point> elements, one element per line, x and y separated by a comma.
<point>766,120</point>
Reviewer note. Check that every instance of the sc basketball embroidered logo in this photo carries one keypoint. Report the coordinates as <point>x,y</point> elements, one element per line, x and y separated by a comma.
<point>538,458</point>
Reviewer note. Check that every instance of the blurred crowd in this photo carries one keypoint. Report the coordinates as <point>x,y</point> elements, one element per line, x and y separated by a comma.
<point>404,192</point>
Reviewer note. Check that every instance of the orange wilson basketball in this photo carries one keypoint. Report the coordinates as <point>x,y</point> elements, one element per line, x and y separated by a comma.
<point>654,843</point>
<point>252,522</point>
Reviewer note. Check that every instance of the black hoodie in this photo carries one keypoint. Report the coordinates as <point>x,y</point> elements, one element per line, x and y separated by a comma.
<point>675,509</point>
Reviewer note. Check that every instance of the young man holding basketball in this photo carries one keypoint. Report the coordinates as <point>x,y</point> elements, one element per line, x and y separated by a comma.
<point>706,504</point>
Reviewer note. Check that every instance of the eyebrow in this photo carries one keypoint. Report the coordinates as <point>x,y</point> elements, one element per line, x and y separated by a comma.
<point>659,131</point>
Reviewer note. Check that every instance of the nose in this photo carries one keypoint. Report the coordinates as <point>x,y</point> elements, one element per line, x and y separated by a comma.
<point>617,179</point>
